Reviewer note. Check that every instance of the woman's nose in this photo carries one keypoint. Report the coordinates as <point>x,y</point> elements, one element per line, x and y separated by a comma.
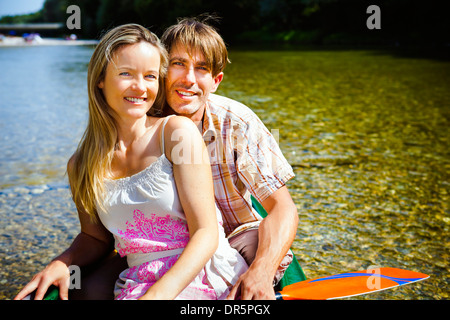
<point>138,85</point>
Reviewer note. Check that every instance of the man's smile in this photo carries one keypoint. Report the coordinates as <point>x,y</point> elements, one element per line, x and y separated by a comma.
<point>185,93</point>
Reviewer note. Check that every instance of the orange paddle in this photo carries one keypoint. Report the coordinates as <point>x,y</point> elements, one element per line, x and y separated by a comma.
<point>349,284</point>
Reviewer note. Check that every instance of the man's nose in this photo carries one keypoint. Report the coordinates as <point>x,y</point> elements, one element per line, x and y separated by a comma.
<point>190,77</point>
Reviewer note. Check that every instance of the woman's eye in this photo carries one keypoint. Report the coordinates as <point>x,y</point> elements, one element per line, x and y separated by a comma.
<point>124,74</point>
<point>151,76</point>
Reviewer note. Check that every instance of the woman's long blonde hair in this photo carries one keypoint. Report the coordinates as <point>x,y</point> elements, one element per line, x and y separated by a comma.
<point>91,163</point>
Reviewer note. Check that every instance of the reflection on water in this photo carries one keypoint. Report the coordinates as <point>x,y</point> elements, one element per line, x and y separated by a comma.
<point>367,135</point>
<point>43,111</point>
<point>42,117</point>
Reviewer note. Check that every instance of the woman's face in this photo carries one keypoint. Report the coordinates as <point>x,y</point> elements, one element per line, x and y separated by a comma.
<point>131,85</point>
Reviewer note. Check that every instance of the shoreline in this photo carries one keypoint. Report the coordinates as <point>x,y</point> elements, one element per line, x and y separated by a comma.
<point>21,42</point>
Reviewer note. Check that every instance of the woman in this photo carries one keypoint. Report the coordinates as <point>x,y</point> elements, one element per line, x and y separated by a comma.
<point>140,178</point>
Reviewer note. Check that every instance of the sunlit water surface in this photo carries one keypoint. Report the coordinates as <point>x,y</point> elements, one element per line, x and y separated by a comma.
<point>366,132</point>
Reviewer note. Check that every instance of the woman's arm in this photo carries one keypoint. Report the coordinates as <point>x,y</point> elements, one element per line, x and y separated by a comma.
<point>193,179</point>
<point>84,250</point>
<point>93,243</point>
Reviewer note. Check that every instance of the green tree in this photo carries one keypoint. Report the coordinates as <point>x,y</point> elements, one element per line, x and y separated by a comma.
<point>54,10</point>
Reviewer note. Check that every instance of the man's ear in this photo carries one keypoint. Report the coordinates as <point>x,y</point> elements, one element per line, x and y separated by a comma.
<point>217,80</point>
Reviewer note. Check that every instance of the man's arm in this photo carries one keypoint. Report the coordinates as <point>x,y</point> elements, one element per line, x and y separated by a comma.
<point>276,233</point>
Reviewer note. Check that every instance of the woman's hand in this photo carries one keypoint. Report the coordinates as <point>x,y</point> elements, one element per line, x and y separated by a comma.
<point>56,273</point>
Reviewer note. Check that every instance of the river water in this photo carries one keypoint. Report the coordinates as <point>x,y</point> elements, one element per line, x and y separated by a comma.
<point>367,133</point>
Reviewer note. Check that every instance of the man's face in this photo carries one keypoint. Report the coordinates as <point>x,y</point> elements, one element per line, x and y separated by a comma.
<point>189,82</point>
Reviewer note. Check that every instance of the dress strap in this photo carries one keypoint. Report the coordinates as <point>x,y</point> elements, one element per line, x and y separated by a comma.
<point>162,134</point>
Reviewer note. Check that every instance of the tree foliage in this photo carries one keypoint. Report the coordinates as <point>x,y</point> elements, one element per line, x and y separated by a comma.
<point>301,21</point>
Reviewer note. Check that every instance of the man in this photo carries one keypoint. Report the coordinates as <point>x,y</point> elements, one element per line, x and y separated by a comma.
<point>245,158</point>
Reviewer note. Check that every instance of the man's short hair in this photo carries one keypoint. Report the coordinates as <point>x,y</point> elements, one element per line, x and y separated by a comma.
<point>195,34</point>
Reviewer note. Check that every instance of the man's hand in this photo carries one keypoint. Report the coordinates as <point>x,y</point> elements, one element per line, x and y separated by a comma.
<point>275,235</point>
<point>254,284</point>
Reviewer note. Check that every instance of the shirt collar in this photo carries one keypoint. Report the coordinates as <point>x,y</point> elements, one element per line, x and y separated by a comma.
<point>209,131</point>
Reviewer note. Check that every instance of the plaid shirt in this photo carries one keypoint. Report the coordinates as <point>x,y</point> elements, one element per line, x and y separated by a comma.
<point>245,159</point>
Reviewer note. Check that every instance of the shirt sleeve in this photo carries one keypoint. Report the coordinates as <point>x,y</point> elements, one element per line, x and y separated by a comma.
<point>260,164</point>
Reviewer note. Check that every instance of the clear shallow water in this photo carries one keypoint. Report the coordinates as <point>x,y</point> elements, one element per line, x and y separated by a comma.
<point>366,132</point>
<point>368,136</point>
<point>42,117</point>
<point>43,111</point>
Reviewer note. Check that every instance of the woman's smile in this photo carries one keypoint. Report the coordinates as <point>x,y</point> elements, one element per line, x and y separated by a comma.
<point>135,100</point>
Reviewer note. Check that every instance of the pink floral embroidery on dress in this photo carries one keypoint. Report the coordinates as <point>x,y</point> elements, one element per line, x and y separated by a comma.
<point>152,234</point>
<point>142,277</point>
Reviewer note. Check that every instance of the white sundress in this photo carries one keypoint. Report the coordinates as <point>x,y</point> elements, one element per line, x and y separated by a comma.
<point>144,214</point>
